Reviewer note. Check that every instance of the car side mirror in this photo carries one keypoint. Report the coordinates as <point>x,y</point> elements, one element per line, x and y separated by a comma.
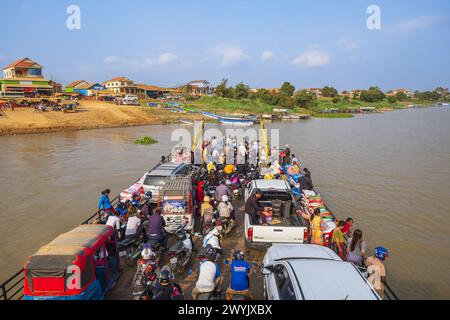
<point>267,270</point>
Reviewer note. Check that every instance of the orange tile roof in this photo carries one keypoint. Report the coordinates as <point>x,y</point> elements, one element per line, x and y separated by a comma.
<point>22,63</point>
<point>75,83</point>
<point>119,79</point>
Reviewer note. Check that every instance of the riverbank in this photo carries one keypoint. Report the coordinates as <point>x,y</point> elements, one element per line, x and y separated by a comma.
<point>89,115</point>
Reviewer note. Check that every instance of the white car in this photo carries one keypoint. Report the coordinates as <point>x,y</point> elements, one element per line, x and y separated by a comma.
<point>312,272</point>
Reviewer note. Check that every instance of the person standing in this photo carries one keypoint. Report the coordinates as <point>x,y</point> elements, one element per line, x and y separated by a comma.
<point>316,228</point>
<point>104,202</point>
<point>356,251</point>
<point>253,207</point>
<point>338,240</point>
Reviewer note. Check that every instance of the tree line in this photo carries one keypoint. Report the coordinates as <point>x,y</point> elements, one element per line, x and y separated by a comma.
<point>288,97</point>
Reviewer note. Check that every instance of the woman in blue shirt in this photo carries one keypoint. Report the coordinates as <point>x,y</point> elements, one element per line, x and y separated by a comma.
<point>104,203</point>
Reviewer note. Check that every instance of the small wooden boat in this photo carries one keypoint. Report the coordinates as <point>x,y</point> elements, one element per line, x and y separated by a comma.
<point>239,122</point>
<point>210,115</point>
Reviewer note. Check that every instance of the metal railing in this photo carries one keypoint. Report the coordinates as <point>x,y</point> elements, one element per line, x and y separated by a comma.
<point>15,282</point>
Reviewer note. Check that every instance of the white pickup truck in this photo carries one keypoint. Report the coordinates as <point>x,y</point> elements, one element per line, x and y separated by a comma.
<point>277,195</point>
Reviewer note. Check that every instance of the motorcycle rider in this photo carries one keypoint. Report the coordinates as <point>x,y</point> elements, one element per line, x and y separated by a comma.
<point>145,274</point>
<point>240,284</point>
<point>209,278</point>
<point>226,210</point>
<point>222,190</point>
<point>207,210</point>
<point>165,288</point>
<point>213,238</point>
<point>156,231</point>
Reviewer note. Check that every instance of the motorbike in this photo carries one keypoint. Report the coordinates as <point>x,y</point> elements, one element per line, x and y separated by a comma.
<point>182,251</point>
<point>210,296</point>
<point>130,249</point>
<point>227,226</point>
<point>144,280</point>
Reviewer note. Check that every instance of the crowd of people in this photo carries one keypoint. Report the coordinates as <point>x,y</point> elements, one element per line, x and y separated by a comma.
<point>213,196</point>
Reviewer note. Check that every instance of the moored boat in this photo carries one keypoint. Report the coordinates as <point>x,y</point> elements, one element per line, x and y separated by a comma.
<point>241,122</point>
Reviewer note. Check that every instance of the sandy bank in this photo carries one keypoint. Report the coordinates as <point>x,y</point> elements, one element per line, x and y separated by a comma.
<point>90,115</point>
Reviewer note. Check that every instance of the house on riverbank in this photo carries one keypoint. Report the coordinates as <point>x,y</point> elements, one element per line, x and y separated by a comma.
<point>199,88</point>
<point>71,87</point>
<point>123,86</point>
<point>23,78</point>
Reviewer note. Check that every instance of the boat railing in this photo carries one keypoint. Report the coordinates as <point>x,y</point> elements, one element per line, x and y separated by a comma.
<point>12,289</point>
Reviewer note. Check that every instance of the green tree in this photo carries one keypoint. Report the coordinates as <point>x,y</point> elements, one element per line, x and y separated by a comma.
<point>329,92</point>
<point>241,91</point>
<point>401,96</point>
<point>305,99</point>
<point>287,89</point>
<point>222,90</point>
<point>392,99</point>
<point>374,94</point>
<point>336,100</point>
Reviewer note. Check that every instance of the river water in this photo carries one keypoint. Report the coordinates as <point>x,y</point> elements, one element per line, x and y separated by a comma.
<point>390,172</point>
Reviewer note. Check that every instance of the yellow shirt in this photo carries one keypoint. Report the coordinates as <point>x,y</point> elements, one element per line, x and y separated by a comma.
<point>229,169</point>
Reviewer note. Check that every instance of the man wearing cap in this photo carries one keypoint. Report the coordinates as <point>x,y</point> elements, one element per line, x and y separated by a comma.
<point>253,207</point>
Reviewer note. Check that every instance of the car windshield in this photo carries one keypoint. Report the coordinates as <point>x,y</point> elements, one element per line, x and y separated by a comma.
<point>154,180</point>
<point>276,195</point>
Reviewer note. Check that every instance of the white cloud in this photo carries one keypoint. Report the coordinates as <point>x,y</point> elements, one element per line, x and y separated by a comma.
<point>312,58</point>
<point>230,56</point>
<point>164,59</point>
<point>268,55</point>
<point>418,23</point>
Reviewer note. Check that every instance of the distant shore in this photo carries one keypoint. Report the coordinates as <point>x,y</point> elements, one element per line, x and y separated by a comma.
<point>90,115</point>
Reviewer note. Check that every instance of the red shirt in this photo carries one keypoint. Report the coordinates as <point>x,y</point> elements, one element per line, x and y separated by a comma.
<point>346,228</point>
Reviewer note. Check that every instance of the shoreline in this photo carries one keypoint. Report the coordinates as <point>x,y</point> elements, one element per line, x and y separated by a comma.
<point>90,115</point>
<point>95,115</point>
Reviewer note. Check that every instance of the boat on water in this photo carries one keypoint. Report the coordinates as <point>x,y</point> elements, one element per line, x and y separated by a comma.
<point>290,117</point>
<point>210,115</point>
<point>188,123</point>
<point>239,122</point>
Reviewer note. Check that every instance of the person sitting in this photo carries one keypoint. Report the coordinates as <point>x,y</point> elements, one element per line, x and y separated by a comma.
<point>222,190</point>
<point>305,183</point>
<point>375,266</point>
<point>156,224</point>
<point>165,288</point>
<point>207,210</point>
<point>209,278</point>
<point>240,270</point>
<point>133,226</point>
<point>225,208</point>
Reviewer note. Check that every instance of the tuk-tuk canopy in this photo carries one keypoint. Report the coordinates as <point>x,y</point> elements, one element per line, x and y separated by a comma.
<point>55,257</point>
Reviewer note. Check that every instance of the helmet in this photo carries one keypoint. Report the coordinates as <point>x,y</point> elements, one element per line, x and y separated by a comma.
<point>149,194</point>
<point>147,254</point>
<point>165,276</point>
<point>238,255</point>
<point>381,253</point>
<point>207,199</point>
<point>210,253</point>
<point>225,198</point>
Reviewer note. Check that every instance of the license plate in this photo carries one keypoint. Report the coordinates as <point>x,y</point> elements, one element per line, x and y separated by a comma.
<point>174,260</point>
<point>122,253</point>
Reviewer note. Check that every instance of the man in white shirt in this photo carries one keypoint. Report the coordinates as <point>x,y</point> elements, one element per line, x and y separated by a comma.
<point>114,221</point>
<point>133,225</point>
<point>209,277</point>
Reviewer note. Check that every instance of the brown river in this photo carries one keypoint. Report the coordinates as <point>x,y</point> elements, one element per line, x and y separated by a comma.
<point>390,172</point>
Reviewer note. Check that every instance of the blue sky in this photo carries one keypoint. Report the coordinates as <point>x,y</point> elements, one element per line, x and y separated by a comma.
<point>260,42</point>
